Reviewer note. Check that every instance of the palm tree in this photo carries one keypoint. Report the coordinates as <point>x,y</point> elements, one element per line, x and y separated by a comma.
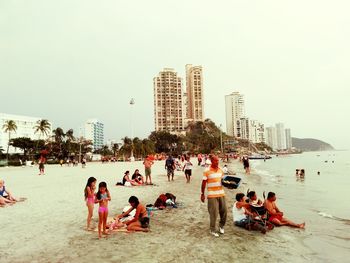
<point>115,149</point>
<point>9,126</point>
<point>43,127</point>
<point>59,134</point>
<point>70,136</point>
<point>70,139</point>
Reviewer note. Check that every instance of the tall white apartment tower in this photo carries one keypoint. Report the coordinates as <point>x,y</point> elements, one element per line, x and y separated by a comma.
<point>271,137</point>
<point>93,130</point>
<point>281,136</point>
<point>288,139</point>
<point>169,111</point>
<point>234,112</point>
<point>194,90</point>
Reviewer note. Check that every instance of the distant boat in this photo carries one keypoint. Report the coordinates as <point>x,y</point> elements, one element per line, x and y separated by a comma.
<point>259,157</point>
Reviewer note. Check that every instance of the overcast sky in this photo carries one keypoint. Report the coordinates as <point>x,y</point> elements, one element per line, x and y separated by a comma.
<point>70,60</point>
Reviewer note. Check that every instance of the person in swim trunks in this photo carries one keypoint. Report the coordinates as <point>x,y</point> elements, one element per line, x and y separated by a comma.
<point>276,215</point>
<point>148,164</point>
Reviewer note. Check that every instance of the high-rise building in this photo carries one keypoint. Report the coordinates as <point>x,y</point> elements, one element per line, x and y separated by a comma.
<point>25,128</point>
<point>251,130</point>
<point>194,90</point>
<point>93,130</point>
<point>288,139</point>
<point>169,111</point>
<point>281,136</point>
<point>234,112</point>
<point>271,137</point>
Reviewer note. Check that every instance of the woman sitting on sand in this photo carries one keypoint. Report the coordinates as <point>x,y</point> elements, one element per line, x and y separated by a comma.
<point>140,222</point>
<point>5,195</point>
<point>126,180</point>
<point>137,177</point>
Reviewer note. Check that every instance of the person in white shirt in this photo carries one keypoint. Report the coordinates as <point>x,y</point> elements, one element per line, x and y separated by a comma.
<point>188,169</point>
<point>242,217</point>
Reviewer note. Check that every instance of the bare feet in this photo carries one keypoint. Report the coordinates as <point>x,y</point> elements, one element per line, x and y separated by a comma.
<point>302,226</point>
<point>105,233</point>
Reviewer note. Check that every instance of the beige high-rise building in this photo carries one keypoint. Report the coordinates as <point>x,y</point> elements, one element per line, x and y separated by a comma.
<point>194,90</point>
<point>168,102</point>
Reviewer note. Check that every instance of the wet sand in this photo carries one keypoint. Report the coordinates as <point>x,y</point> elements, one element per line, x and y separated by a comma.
<point>49,226</point>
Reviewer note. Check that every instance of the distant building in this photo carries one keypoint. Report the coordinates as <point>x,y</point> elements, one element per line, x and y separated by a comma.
<point>281,136</point>
<point>271,137</point>
<point>111,142</point>
<point>93,130</point>
<point>169,111</point>
<point>234,103</point>
<point>194,92</point>
<point>25,128</point>
<point>251,130</point>
<point>288,139</point>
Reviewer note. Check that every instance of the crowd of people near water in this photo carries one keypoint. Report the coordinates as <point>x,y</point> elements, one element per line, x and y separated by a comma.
<point>249,213</point>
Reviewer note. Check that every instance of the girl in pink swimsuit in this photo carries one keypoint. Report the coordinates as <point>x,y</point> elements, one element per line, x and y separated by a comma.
<point>102,197</point>
<point>89,193</point>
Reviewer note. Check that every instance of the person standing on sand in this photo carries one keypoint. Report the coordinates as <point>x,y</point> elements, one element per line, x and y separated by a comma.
<point>41,166</point>
<point>216,196</point>
<point>170,167</point>
<point>275,215</point>
<point>188,169</point>
<point>246,164</point>
<point>148,164</point>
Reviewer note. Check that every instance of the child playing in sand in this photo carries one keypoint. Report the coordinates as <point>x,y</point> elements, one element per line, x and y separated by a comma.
<point>102,197</point>
<point>89,193</point>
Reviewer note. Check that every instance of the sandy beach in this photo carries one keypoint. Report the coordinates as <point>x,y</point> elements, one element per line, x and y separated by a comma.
<point>50,225</point>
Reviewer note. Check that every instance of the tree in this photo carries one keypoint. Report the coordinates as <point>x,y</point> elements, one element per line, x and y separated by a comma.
<point>9,126</point>
<point>115,148</point>
<point>148,147</point>
<point>69,141</point>
<point>165,141</point>
<point>69,135</point>
<point>202,136</point>
<point>1,151</point>
<point>23,143</point>
<point>104,151</point>
<point>125,150</point>
<point>59,135</point>
<point>42,127</point>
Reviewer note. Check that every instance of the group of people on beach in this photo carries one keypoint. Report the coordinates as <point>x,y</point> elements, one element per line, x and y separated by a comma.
<point>247,213</point>
<point>139,222</point>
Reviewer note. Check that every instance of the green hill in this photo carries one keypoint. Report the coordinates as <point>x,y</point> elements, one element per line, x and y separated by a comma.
<point>309,145</point>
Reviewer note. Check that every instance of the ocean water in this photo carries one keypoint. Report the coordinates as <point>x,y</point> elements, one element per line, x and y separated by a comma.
<point>321,201</point>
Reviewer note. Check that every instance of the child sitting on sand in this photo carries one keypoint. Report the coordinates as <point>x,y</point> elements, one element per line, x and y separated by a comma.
<point>102,197</point>
<point>89,193</point>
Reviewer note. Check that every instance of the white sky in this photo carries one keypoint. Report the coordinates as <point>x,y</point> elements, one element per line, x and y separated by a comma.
<point>70,60</point>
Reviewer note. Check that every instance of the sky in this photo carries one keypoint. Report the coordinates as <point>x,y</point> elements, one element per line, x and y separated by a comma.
<point>71,60</point>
